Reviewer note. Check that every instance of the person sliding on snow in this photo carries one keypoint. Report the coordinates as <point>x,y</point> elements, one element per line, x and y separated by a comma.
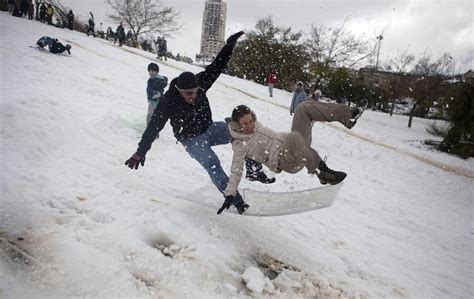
<point>288,152</point>
<point>53,44</point>
<point>187,107</point>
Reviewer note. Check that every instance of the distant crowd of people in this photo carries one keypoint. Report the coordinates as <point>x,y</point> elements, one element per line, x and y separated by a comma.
<point>45,12</point>
<point>25,8</point>
<point>40,11</point>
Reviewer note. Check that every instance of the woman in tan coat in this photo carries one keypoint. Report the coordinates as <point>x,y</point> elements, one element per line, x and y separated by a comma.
<point>289,152</point>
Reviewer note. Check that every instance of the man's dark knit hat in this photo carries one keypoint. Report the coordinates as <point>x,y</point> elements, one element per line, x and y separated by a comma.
<point>187,80</point>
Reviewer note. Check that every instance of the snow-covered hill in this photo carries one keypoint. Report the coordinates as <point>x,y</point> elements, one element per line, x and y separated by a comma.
<point>76,222</point>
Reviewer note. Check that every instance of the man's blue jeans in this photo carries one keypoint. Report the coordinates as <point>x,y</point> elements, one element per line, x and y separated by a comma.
<point>199,148</point>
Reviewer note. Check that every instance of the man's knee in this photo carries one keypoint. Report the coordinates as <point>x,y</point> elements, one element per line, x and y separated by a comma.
<point>207,160</point>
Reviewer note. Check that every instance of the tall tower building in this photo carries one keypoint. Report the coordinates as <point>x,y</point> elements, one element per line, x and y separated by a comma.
<point>213,28</point>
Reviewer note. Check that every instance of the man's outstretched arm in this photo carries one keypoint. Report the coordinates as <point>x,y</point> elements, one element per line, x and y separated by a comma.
<point>212,71</point>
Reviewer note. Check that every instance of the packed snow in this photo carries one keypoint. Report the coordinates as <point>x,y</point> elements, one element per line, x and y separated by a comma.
<point>76,222</point>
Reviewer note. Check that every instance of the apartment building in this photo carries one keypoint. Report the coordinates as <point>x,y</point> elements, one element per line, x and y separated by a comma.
<point>213,29</point>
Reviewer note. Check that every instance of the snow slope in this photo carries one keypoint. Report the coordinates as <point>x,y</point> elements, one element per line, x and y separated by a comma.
<point>76,222</point>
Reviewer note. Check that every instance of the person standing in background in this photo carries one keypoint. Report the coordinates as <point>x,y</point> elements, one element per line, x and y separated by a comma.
<point>317,95</point>
<point>37,3</point>
<point>271,81</point>
<point>299,96</point>
<point>31,10</point>
<point>155,88</point>
<point>49,14</point>
<point>70,20</point>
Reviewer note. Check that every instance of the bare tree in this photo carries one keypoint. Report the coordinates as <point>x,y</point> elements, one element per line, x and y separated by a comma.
<point>427,66</point>
<point>426,88</point>
<point>327,44</point>
<point>145,16</point>
<point>402,63</point>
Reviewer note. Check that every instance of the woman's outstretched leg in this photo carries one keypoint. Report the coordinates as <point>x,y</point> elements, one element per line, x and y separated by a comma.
<point>310,111</point>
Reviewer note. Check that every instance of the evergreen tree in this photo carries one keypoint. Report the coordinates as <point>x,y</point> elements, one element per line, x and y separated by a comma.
<point>269,47</point>
<point>460,137</point>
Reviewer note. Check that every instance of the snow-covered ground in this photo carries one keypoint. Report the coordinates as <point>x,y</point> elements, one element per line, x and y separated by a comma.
<point>76,222</point>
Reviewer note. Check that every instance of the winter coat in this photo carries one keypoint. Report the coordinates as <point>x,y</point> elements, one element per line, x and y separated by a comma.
<point>110,33</point>
<point>272,78</point>
<point>262,146</point>
<point>120,32</point>
<point>156,88</point>
<point>186,119</point>
<point>43,10</point>
<point>299,96</point>
<point>24,5</point>
<point>56,47</point>
<point>45,41</point>
<point>50,11</point>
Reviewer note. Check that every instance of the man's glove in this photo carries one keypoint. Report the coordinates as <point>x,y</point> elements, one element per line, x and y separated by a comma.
<point>134,161</point>
<point>232,40</point>
<point>227,203</point>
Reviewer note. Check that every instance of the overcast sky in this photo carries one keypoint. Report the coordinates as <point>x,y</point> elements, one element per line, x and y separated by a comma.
<point>407,25</point>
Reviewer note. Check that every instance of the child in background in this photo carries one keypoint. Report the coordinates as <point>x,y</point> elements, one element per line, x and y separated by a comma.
<point>155,88</point>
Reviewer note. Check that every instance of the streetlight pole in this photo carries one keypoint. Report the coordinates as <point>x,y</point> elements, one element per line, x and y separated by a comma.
<point>380,37</point>
<point>453,64</point>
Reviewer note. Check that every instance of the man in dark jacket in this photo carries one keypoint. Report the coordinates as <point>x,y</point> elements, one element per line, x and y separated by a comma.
<point>24,8</point>
<point>186,105</point>
<point>43,12</point>
<point>70,20</point>
<point>120,34</point>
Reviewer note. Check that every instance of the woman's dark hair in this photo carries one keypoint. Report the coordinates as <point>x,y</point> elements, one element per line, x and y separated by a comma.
<point>240,111</point>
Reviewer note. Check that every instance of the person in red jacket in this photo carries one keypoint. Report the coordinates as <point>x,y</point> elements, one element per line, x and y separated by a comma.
<point>271,81</point>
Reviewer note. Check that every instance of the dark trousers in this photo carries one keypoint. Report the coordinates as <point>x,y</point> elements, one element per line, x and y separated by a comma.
<point>57,47</point>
